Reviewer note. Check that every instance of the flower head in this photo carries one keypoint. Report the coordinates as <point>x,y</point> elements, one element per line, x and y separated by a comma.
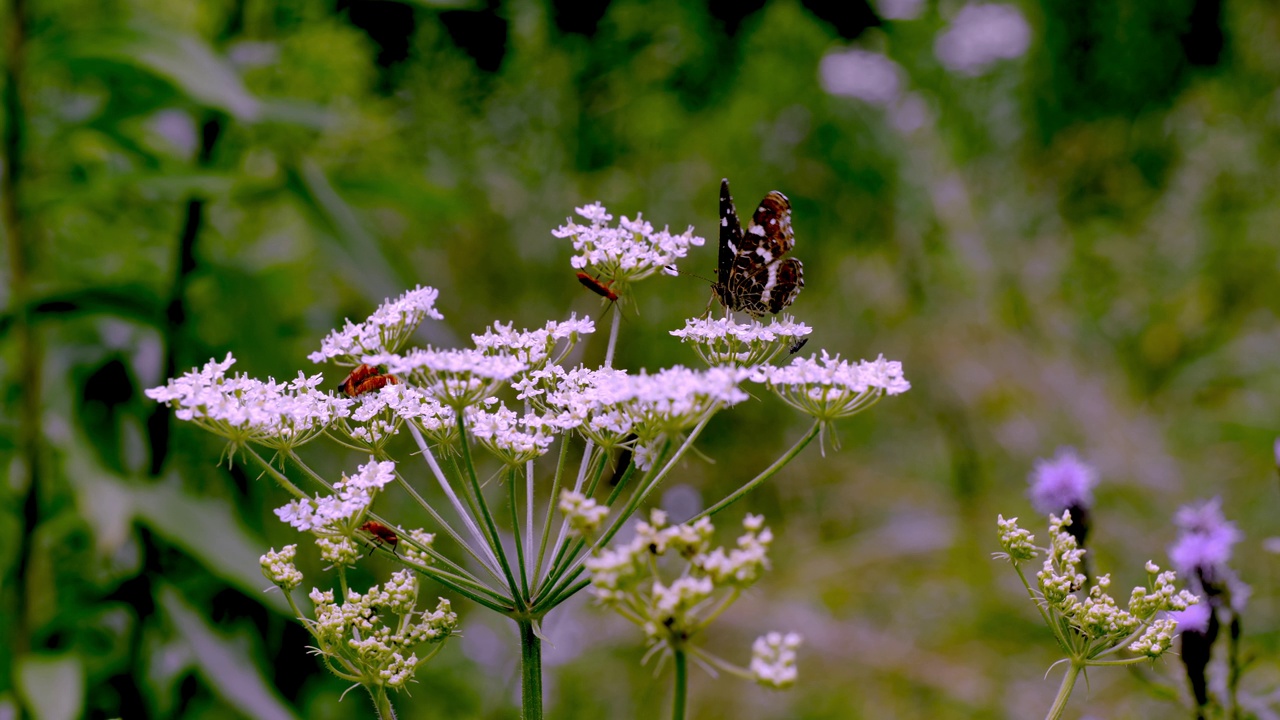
<point>721,341</point>
<point>773,660</point>
<point>624,254</point>
<point>534,348</point>
<point>278,567</point>
<point>243,409</point>
<point>831,388</point>
<point>457,378</point>
<point>1064,482</point>
<point>385,331</point>
<point>1203,549</point>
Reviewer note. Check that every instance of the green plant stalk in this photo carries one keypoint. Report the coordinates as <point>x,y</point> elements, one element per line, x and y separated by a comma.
<point>454,582</point>
<point>530,671</point>
<point>453,496</point>
<point>551,508</point>
<point>495,538</point>
<point>1064,691</point>
<point>515,530</point>
<point>678,704</point>
<point>436,555</point>
<point>382,703</point>
<point>764,475</point>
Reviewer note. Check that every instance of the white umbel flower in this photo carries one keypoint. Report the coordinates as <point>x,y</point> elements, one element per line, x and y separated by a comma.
<point>773,660</point>
<point>385,331</point>
<point>722,341</point>
<point>632,251</point>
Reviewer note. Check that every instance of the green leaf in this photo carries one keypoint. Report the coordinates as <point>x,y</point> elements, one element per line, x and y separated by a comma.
<point>185,60</point>
<point>224,663</point>
<point>208,530</point>
<point>52,685</point>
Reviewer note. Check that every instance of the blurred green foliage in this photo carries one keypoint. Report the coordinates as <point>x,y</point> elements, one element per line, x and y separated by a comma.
<point>1078,246</point>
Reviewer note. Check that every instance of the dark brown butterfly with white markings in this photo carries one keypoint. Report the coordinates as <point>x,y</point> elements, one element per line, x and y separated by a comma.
<point>754,276</point>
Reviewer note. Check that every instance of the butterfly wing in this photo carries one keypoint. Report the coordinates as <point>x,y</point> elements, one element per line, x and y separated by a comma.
<point>730,241</point>
<point>762,279</point>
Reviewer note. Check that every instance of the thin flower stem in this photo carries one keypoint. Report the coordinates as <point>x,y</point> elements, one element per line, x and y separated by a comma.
<point>563,533</point>
<point>530,671</point>
<point>613,339</point>
<point>764,475</point>
<point>575,569</point>
<point>459,575</point>
<point>453,497</point>
<point>485,515</point>
<point>279,477</point>
<point>572,548</point>
<point>515,531</point>
<point>730,599</point>
<point>551,507</point>
<point>563,595</point>
<point>1064,692</point>
<point>680,700</point>
<point>528,521</point>
<point>448,529</point>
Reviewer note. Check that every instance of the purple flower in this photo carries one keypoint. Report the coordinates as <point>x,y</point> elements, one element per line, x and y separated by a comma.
<point>1204,547</point>
<point>1061,483</point>
<point>1194,619</point>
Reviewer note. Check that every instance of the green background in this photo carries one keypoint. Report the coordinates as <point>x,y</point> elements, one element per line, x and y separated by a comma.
<point>1079,247</point>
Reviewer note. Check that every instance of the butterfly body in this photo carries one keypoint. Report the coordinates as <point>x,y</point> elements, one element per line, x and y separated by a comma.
<point>753,275</point>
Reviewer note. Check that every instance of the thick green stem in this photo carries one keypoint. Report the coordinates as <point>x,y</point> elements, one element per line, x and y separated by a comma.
<point>764,475</point>
<point>682,686</point>
<point>530,671</point>
<point>382,703</point>
<point>1064,692</point>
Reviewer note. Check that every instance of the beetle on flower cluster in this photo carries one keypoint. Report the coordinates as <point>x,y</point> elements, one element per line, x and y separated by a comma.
<point>528,543</point>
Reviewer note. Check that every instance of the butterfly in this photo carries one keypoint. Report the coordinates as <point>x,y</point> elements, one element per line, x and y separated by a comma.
<point>754,276</point>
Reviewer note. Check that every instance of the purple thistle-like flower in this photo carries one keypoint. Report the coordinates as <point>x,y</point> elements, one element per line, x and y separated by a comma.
<point>1204,547</point>
<point>1064,482</point>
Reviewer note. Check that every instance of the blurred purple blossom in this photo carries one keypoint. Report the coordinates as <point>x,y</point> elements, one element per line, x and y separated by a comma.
<point>1064,482</point>
<point>1194,619</point>
<point>1204,547</point>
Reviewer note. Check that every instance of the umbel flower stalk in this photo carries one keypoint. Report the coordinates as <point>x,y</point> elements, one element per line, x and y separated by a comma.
<point>507,407</point>
<point>1091,629</point>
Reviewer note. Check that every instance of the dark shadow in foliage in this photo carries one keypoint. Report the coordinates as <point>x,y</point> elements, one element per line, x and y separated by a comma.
<point>482,34</point>
<point>578,17</point>
<point>391,26</point>
<point>1103,59</point>
<point>850,18</point>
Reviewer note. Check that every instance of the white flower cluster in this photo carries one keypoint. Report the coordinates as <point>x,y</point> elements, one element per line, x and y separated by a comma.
<point>351,496</point>
<point>1015,541</point>
<point>585,515</point>
<point>242,409</point>
<point>279,569</point>
<point>721,341</point>
<point>385,331</point>
<point>773,659</point>
<point>534,348</point>
<point>624,254</point>
<point>671,614</point>
<point>412,554</point>
<point>499,432</point>
<point>456,378</point>
<point>1102,624</point>
<point>608,406</point>
<point>830,388</point>
<point>355,636</point>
